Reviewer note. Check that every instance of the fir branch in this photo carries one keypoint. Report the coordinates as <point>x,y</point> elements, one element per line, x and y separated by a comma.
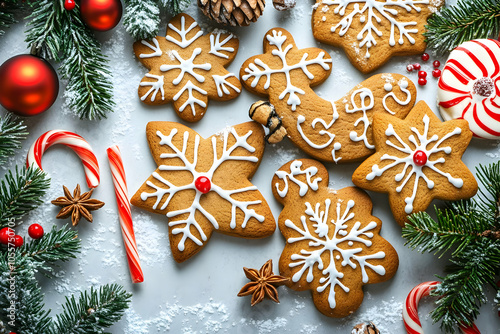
<point>489,193</point>
<point>461,291</point>
<point>8,10</point>
<point>141,18</point>
<point>12,131</point>
<point>94,311</point>
<point>21,192</point>
<point>468,20</point>
<point>44,33</point>
<point>57,245</point>
<point>175,7</point>
<point>18,284</point>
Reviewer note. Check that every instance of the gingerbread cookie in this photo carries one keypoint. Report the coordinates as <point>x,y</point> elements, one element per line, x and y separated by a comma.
<point>417,159</point>
<point>202,185</point>
<point>333,243</point>
<point>371,32</point>
<point>188,68</point>
<point>330,131</point>
<point>468,87</point>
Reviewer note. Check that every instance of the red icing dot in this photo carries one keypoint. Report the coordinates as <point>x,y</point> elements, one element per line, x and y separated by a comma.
<point>436,63</point>
<point>436,73</point>
<point>425,57</point>
<point>203,184</point>
<point>419,158</point>
<point>422,81</point>
<point>409,68</point>
<point>416,66</point>
<point>422,74</point>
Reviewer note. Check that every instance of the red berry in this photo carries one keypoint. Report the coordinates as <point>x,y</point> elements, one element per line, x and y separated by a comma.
<point>35,231</point>
<point>436,73</point>
<point>425,57</point>
<point>409,68</point>
<point>422,74</point>
<point>5,234</point>
<point>436,63</point>
<point>18,241</point>
<point>422,81</point>
<point>416,66</point>
<point>420,158</point>
<point>203,184</point>
<point>69,4</point>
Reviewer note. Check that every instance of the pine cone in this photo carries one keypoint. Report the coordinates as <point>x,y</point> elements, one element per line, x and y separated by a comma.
<point>233,12</point>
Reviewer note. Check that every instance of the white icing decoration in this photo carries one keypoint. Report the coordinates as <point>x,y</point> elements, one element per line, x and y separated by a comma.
<point>187,66</point>
<point>191,208</point>
<point>216,45</point>
<point>364,93</point>
<point>221,84</point>
<point>403,85</point>
<point>421,143</point>
<point>155,87</point>
<point>295,170</point>
<point>192,100</point>
<point>156,49</point>
<point>322,243</point>
<point>278,39</point>
<point>182,32</point>
<point>371,11</point>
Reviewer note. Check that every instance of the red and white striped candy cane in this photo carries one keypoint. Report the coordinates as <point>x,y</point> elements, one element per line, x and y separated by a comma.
<point>122,199</point>
<point>410,310</point>
<point>73,141</point>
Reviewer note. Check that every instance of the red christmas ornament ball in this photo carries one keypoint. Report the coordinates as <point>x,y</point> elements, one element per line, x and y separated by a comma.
<point>69,4</point>
<point>35,231</point>
<point>203,184</point>
<point>101,15</point>
<point>18,241</point>
<point>5,234</point>
<point>419,158</point>
<point>28,85</point>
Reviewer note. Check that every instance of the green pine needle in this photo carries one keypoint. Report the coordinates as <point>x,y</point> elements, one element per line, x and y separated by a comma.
<point>141,18</point>
<point>8,9</point>
<point>21,192</point>
<point>12,131</point>
<point>94,310</point>
<point>175,7</point>
<point>468,20</point>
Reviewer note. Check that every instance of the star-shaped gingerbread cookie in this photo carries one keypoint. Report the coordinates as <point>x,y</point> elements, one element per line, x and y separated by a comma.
<point>371,32</point>
<point>417,159</point>
<point>188,68</point>
<point>202,185</point>
<point>337,131</point>
<point>333,243</point>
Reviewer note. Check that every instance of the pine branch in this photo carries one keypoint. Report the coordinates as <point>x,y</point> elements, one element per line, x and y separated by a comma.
<point>44,34</point>
<point>141,18</point>
<point>8,10</point>
<point>12,131</point>
<point>461,291</point>
<point>21,192</point>
<point>489,193</point>
<point>57,245</point>
<point>469,19</point>
<point>94,311</point>
<point>18,284</point>
<point>175,7</point>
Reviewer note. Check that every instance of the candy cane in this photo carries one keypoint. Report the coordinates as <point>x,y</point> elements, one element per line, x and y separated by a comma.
<point>410,310</point>
<point>122,199</point>
<point>73,141</point>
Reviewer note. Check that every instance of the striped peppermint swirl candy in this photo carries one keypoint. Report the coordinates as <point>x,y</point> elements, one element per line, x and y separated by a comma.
<point>410,310</point>
<point>79,145</point>
<point>125,216</point>
<point>469,88</point>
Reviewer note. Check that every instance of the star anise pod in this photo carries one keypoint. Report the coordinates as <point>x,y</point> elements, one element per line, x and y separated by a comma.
<point>263,283</point>
<point>76,205</point>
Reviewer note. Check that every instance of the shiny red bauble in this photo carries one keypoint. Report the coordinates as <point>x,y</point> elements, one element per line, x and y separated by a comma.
<point>5,234</point>
<point>101,15</point>
<point>203,184</point>
<point>28,85</point>
<point>420,158</point>
<point>18,241</point>
<point>69,4</point>
<point>35,231</point>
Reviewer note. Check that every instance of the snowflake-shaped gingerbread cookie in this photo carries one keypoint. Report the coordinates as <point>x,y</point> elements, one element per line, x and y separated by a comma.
<point>202,185</point>
<point>417,160</point>
<point>188,68</point>
<point>333,243</point>
<point>372,31</point>
<point>338,131</point>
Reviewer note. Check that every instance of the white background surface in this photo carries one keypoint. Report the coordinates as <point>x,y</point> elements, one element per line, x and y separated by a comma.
<point>199,296</point>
